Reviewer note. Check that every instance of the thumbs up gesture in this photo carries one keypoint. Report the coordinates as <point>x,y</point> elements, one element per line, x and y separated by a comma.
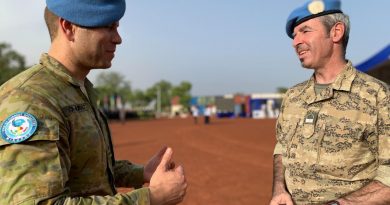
<point>167,185</point>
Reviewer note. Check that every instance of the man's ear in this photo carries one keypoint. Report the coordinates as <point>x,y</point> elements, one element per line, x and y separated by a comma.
<point>337,32</point>
<point>67,29</point>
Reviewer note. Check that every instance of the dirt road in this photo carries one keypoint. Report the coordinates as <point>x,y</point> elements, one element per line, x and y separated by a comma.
<point>228,162</point>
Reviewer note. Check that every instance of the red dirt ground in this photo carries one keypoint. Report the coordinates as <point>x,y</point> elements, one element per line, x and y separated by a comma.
<point>228,162</point>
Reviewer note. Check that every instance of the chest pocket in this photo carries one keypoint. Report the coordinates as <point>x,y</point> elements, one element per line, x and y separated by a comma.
<point>85,130</point>
<point>343,137</point>
<point>88,149</point>
<point>308,129</point>
<point>347,149</point>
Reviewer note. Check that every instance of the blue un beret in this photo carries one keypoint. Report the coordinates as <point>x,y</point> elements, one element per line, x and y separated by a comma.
<point>88,13</point>
<point>311,10</point>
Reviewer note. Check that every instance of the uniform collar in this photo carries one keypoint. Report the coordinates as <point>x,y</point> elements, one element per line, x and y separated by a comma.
<point>343,82</point>
<point>60,70</point>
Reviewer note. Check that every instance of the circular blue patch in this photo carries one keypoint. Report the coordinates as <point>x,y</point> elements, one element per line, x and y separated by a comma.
<point>18,127</point>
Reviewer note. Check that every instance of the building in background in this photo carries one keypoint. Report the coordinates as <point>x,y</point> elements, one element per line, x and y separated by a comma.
<point>378,65</point>
<point>242,105</point>
<point>202,102</point>
<point>224,106</point>
<point>178,109</point>
<point>265,105</point>
<point>258,106</point>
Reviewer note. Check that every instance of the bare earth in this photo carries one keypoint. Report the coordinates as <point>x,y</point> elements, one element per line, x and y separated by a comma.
<point>228,162</point>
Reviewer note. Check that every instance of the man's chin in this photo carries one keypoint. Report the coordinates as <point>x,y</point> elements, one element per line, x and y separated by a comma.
<point>104,66</point>
<point>305,65</point>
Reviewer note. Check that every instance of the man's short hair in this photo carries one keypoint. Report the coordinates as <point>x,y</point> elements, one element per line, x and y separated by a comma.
<point>51,23</point>
<point>331,19</point>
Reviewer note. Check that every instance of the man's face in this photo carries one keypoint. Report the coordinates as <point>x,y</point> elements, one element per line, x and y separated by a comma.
<point>95,47</point>
<point>312,43</point>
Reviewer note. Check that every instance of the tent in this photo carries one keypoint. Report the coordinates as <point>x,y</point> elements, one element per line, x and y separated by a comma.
<point>378,65</point>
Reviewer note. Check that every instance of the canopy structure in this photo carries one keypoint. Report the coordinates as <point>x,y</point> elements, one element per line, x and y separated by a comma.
<point>378,65</point>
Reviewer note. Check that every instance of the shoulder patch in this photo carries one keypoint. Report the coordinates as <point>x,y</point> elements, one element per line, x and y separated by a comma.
<point>18,127</point>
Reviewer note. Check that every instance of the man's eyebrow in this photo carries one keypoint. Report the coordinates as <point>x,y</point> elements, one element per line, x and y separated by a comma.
<point>304,28</point>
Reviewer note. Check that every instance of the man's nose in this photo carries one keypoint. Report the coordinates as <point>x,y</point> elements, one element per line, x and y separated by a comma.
<point>117,39</point>
<point>296,40</point>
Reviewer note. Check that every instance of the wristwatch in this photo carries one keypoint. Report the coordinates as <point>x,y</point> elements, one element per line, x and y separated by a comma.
<point>333,203</point>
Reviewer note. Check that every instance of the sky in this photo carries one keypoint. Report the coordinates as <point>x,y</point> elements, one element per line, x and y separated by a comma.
<point>220,46</point>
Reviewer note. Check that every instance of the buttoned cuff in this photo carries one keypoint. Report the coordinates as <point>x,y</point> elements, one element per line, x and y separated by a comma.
<point>138,176</point>
<point>278,149</point>
<point>383,175</point>
<point>139,196</point>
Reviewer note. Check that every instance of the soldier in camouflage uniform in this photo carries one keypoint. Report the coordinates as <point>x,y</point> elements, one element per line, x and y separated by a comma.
<point>55,145</point>
<point>333,132</point>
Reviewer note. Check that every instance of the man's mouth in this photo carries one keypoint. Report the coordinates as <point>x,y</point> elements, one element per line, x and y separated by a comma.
<point>300,53</point>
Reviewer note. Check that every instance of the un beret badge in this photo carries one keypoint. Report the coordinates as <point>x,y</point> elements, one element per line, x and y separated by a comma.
<point>316,7</point>
<point>18,127</point>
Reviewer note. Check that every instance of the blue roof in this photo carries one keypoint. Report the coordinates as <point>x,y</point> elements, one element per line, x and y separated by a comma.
<point>379,58</point>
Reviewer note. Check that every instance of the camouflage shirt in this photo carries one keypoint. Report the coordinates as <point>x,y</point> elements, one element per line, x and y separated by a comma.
<point>337,141</point>
<point>69,159</point>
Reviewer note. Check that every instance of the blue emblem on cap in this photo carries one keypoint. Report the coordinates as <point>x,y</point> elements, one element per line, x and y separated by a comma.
<point>311,10</point>
<point>18,127</point>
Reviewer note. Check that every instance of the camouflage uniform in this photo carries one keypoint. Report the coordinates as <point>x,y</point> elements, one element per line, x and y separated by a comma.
<point>69,159</point>
<point>337,141</point>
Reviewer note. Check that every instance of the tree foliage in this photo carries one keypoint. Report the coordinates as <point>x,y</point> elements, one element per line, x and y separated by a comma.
<point>110,83</point>
<point>282,90</point>
<point>168,91</point>
<point>164,88</point>
<point>140,99</point>
<point>11,62</point>
<point>183,91</point>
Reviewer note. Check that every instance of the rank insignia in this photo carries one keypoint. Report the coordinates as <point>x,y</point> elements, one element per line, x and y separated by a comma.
<point>18,127</point>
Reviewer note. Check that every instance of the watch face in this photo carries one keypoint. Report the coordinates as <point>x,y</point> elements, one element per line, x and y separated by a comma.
<point>333,203</point>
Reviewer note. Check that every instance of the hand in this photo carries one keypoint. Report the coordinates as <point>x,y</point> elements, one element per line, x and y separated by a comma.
<point>167,186</point>
<point>152,164</point>
<point>282,199</point>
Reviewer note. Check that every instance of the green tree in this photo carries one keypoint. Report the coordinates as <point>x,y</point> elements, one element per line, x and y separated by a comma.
<point>110,83</point>
<point>282,90</point>
<point>11,62</point>
<point>140,99</point>
<point>164,87</point>
<point>183,91</point>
